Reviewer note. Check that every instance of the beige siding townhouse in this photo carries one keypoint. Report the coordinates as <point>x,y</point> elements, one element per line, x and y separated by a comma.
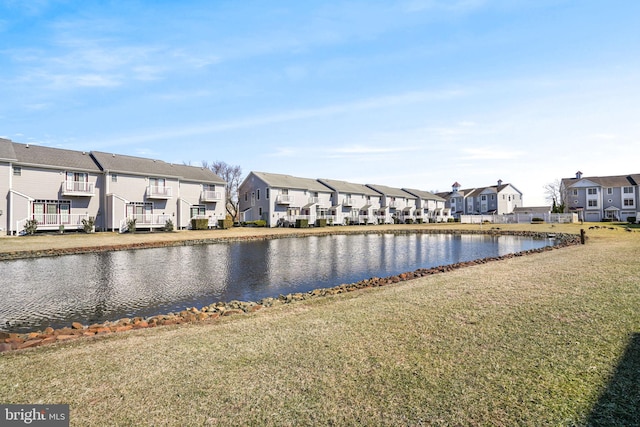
<point>202,195</point>
<point>137,189</point>
<point>280,200</point>
<point>7,158</point>
<point>55,187</point>
<point>352,203</point>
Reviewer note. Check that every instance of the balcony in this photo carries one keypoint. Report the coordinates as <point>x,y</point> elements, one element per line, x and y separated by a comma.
<point>210,196</point>
<point>54,221</point>
<point>77,188</point>
<point>348,201</point>
<point>158,192</point>
<point>284,199</point>
<point>314,200</point>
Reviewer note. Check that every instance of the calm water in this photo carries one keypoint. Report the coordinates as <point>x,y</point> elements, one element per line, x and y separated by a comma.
<point>36,293</point>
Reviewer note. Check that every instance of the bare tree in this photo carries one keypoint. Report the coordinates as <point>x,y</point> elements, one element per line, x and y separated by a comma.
<point>232,175</point>
<point>555,194</point>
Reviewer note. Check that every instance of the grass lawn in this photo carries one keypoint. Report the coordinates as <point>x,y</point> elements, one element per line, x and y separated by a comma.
<point>546,339</point>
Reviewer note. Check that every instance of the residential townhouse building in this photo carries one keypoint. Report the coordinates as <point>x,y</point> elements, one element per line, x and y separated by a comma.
<point>352,203</point>
<point>280,199</point>
<point>153,192</point>
<point>429,207</point>
<point>602,198</point>
<point>61,188</point>
<point>58,188</point>
<point>202,195</point>
<point>497,199</point>
<point>396,205</point>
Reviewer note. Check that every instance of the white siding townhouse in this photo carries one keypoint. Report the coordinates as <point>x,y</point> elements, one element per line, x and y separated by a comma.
<point>429,207</point>
<point>352,203</point>
<point>602,198</point>
<point>282,199</point>
<point>497,199</point>
<point>61,188</point>
<point>396,205</point>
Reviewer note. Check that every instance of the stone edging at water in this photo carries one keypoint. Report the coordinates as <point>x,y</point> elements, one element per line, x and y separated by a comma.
<point>19,341</point>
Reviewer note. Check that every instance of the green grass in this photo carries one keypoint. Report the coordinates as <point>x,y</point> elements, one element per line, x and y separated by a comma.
<point>547,339</point>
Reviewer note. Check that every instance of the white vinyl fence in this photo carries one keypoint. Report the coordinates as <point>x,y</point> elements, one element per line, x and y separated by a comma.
<point>564,218</point>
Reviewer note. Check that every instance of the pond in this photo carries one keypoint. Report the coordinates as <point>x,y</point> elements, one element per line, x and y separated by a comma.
<point>93,288</point>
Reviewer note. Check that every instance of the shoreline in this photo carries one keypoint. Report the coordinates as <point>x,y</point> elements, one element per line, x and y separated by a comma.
<point>11,341</point>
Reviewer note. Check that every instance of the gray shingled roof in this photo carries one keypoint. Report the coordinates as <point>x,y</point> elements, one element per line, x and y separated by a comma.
<point>6,150</point>
<point>28,154</point>
<point>391,191</point>
<point>287,181</point>
<point>605,181</point>
<point>349,187</point>
<point>134,165</point>
<point>198,174</point>
<point>424,195</point>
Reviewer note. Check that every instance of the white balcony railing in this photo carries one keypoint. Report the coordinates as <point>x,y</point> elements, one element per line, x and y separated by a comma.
<point>211,196</point>
<point>78,188</point>
<point>314,200</point>
<point>284,199</point>
<point>54,221</point>
<point>158,192</point>
<point>348,201</point>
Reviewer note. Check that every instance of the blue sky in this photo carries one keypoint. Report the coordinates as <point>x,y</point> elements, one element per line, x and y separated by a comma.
<point>415,93</point>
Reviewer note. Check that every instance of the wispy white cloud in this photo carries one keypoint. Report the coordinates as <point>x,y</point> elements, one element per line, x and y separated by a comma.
<point>286,116</point>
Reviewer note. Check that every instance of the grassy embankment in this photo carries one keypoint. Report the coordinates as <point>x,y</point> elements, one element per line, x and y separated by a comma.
<point>547,339</point>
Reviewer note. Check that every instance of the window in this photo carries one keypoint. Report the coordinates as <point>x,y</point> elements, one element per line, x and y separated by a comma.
<point>198,210</point>
<point>266,193</point>
<point>592,203</point>
<point>575,192</point>
<point>17,171</point>
<point>628,202</point>
<point>51,212</point>
<point>627,190</point>
<point>246,196</point>
<point>114,177</point>
<point>260,212</point>
<point>609,191</point>
<point>592,191</point>
<point>77,181</point>
<point>258,194</point>
<point>484,197</point>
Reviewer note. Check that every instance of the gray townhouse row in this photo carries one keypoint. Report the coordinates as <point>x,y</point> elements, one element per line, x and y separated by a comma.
<point>598,198</point>
<point>281,200</point>
<point>59,188</point>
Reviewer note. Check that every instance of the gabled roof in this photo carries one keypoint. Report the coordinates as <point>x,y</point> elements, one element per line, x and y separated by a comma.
<point>58,158</point>
<point>391,191</point>
<point>134,165</point>
<point>6,150</point>
<point>605,181</point>
<point>276,180</point>
<point>425,195</point>
<point>348,187</point>
<point>197,174</point>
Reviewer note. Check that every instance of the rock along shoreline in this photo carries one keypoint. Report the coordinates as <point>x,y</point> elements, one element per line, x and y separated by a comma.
<point>19,341</point>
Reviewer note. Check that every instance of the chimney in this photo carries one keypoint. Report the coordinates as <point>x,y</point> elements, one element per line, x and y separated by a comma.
<point>578,175</point>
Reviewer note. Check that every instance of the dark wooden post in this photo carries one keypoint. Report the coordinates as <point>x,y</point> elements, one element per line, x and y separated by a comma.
<point>582,235</point>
